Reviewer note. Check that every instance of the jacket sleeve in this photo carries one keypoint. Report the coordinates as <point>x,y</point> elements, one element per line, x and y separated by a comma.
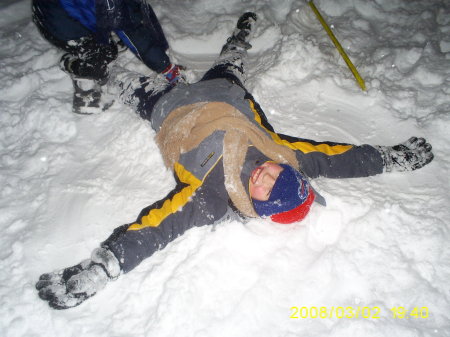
<point>334,160</point>
<point>189,204</point>
<point>327,159</point>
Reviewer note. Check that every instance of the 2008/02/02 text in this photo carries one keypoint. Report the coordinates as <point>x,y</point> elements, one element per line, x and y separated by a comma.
<point>357,312</point>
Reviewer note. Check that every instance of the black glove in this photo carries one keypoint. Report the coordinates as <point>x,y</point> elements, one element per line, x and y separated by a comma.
<point>71,286</point>
<point>411,155</point>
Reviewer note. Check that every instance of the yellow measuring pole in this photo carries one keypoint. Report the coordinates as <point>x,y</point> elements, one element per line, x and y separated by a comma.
<point>338,46</point>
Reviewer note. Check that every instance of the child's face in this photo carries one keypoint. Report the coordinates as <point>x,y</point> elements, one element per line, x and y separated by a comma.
<point>262,180</point>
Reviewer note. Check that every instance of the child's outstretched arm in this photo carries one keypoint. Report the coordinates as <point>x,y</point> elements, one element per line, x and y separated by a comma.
<point>341,160</point>
<point>192,203</point>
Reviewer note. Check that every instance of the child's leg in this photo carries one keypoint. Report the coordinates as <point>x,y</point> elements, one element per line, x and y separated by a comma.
<point>230,64</point>
<point>140,92</point>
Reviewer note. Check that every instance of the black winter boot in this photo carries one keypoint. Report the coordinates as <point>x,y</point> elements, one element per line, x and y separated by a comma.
<point>241,34</point>
<point>411,155</point>
<point>89,95</point>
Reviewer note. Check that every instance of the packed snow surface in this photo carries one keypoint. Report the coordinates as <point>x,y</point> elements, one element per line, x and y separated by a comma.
<point>381,243</point>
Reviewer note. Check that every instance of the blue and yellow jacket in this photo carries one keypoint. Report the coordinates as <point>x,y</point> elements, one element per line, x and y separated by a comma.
<point>200,197</point>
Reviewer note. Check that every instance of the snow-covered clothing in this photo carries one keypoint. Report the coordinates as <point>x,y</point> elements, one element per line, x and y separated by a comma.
<point>200,196</point>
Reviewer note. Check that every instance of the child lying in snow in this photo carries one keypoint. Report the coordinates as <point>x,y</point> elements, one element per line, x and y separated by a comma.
<point>228,163</point>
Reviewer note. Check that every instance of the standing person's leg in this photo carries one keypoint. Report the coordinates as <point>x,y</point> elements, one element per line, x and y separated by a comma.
<point>55,25</point>
<point>87,65</point>
<point>86,60</point>
<point>84,57</point>
<point>230,64</point>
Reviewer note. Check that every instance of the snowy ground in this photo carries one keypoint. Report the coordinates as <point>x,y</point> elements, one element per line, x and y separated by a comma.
<point>383,242</point>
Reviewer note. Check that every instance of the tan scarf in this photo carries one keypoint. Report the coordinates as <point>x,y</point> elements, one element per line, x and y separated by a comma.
<point>187,126</point>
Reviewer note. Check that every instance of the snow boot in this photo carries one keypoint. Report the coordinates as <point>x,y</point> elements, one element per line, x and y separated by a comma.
<point>89,97</point>
<point>411,155</point>
<point>241,35</point>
